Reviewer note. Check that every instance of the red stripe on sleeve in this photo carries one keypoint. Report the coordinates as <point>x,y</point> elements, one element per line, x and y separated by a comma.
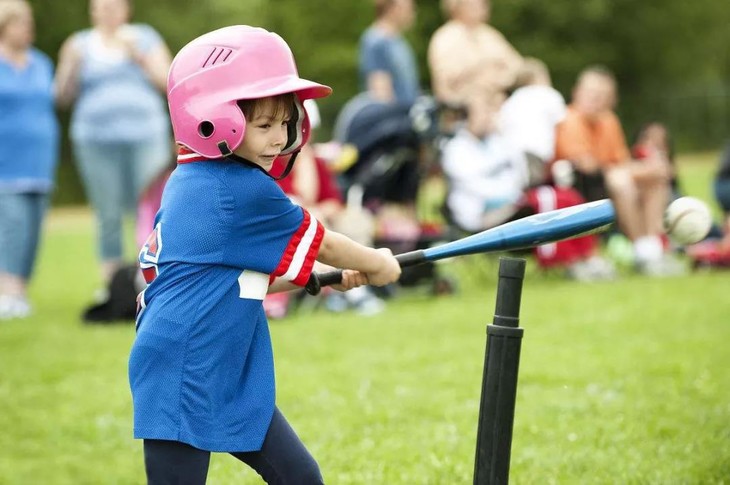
<point>291,248</point>
<point>306,270</point>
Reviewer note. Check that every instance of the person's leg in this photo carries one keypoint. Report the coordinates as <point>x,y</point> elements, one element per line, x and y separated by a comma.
<point>15,235</point>
<point>37,204</point>
<point>148,159</point>
<point>175,463</point>
<point>654,196</point>
<point>283,459</point>
<point>625,198</point>
<point>101,169</point>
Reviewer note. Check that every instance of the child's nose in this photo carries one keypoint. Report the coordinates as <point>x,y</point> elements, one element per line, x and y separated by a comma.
<point>282,136</point>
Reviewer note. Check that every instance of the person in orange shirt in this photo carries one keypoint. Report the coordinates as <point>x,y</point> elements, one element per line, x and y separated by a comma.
<point>592,139</point>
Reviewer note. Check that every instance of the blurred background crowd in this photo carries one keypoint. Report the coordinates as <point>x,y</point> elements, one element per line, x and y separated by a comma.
<point>508,108</point>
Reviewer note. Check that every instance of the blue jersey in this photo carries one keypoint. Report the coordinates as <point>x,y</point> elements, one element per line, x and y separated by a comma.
<point>201,368</point>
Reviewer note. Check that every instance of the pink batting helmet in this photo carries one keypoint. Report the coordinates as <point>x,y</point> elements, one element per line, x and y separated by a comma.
<point>210,74</point>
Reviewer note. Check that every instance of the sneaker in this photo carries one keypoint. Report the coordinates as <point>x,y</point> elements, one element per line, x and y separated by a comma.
<point>360,299</point>
<point>371,305</point>
<point>664,267</point>
<point>364,301</point>
<point>621,250</point>
<point>592,269</point>
<point>709,254</point>
<point>336,302</point>
<point>14,307</point>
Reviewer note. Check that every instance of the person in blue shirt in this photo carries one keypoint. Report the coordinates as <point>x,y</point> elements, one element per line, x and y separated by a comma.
<point>201,367</point>
<point>28,153</point>
<point>388,68</point>
<point>114,75</point>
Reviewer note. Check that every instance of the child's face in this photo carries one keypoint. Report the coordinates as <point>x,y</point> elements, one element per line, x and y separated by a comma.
<point>482,118</point>
<point>266,134</point>
<point>656,135</point>
<point>594,94</point>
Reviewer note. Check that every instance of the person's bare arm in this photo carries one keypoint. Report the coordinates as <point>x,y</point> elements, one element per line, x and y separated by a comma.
<point>446,71</point>
<point>155,63</point>
<point>511,62</point>
<point>380,86</point>
<point>66,81</point>
<point>572,143</point>
<point>379,265</point>
<point>653,168</point>
<point>586,164</point>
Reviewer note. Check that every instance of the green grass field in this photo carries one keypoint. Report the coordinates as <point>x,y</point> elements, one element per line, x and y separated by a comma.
<point>623,382</point>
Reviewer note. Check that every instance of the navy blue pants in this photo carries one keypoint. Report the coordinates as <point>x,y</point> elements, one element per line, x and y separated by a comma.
<point>282,460</point>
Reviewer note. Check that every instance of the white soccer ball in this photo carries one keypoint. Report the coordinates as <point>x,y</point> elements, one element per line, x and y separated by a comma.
<point>687,220</point>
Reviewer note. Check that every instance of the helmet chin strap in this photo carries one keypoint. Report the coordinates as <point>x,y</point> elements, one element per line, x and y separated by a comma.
<point>229,155</point>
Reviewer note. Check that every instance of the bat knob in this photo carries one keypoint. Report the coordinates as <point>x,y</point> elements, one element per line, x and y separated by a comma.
<point>313,286</point>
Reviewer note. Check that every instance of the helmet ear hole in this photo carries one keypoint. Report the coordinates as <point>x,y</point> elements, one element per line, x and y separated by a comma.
<point>206,129</point>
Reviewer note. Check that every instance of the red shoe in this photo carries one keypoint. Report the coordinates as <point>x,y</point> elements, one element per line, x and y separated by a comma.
<point>709,254</point>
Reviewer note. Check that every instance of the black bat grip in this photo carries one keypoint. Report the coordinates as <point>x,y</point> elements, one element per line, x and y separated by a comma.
<point>319,280</point>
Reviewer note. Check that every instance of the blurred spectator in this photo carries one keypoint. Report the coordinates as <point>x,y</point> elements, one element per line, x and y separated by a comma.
<point>488,180</point>
<point>388,68</point>
<point>469,58</point>
<point>531,113</point>
<point>653,140</point>
<point>389,170</point>
<point>114,74</point>
<point>150,199</point>
<point>487,176</point>
<point>28,153</point>
<point>591,137</point>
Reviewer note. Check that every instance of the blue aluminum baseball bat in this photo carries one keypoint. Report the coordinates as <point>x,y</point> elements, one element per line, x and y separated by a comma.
<point>528,232</point>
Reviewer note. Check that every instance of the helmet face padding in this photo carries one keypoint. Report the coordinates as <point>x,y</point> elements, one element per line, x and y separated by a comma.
<point>213,72</point>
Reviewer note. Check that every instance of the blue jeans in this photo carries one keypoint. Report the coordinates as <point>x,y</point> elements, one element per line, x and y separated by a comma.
<point>114,175</point>
<point>21,218</point>
<point>282,460</point>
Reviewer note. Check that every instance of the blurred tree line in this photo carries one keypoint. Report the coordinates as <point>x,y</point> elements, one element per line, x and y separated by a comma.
<point>671,57</point>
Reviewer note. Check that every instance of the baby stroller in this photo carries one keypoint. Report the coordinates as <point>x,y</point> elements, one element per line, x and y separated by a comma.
<point>390,140</point>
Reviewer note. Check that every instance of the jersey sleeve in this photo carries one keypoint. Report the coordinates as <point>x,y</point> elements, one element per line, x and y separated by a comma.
<point>374,57</point>
<point>297,261</point>
<point>272,235</point>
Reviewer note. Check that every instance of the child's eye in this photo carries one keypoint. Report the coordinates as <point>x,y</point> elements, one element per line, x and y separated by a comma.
<point>265,126</point>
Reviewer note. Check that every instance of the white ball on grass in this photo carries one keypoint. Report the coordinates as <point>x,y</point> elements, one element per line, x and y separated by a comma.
<point>687,220</point>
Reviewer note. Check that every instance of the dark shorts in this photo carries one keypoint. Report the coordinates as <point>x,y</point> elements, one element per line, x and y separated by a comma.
<point>591,186</point>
